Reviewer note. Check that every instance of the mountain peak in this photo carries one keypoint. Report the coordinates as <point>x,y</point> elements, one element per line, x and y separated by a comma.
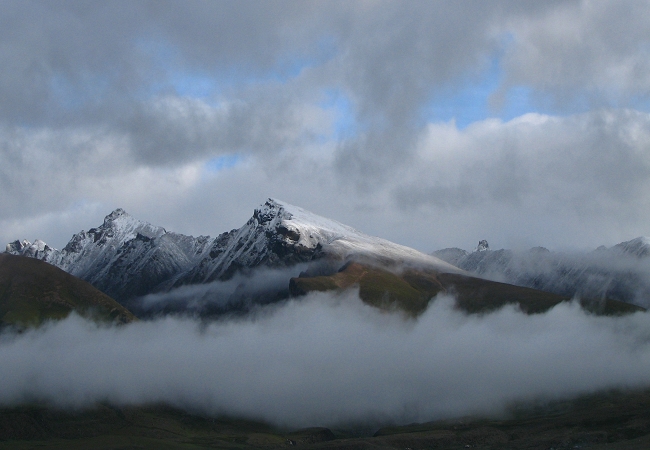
<point>272,209</point>
<point>38,249</point>
<point>120,222</point>
<point>115,215</point>
<point>482,246</point>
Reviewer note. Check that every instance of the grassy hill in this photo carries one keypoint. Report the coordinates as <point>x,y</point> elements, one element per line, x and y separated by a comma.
<point>613,420</point>
<point>32,291</point>
<point>411,290</point>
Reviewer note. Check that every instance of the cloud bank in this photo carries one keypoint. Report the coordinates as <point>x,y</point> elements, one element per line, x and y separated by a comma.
<point>329,360</point>
<point>240,294</point>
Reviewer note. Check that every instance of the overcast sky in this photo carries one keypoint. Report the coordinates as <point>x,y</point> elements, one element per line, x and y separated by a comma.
<point>432,124</point>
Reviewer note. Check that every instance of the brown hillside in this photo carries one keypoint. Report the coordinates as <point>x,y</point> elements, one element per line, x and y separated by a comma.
<point>411,290</point>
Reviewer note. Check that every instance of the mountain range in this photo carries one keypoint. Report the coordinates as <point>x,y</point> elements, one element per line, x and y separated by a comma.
<point>127,258</point>
<point>283,250</point>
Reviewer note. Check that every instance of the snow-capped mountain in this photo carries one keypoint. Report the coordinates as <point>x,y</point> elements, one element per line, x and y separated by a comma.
<point>124,257</point>
<point>127,258</point>
<point>621,272</point>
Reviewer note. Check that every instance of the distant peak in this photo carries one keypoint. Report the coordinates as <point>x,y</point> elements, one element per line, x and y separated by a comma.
<point>482,246</point>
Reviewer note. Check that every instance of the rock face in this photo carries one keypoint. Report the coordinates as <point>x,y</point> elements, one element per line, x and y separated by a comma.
<point>128,258</point>
<point>621,272</point>
<point>265,239</point>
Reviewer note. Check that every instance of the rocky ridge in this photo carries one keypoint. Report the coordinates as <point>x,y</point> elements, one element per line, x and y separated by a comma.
<point>128,258</point>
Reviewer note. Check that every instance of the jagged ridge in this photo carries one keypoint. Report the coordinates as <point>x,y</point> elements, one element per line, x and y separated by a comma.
<point>127,258</point>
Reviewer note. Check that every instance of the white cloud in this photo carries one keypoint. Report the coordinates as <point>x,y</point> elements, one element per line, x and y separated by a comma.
<point>327,360</point>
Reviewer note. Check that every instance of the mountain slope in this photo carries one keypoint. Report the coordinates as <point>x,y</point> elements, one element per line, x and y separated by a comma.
<point>280,234</point>
<point>411,290</point>
<point>32,291</point>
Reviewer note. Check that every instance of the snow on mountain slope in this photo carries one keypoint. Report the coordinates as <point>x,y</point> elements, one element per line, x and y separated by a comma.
<point>280,234</point>
<point>127,258</point>
<point>38,250</point>
<point>335,238</point>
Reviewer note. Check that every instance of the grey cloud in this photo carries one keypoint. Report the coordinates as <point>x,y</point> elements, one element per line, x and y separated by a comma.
<point>105,71</point>
<point>80,64</point>
<point>588,162</point>
<point>327,361</point>
<point>117,49</point>
<point>573,181</point>
<point>42,170</point>
<point>598,50</point>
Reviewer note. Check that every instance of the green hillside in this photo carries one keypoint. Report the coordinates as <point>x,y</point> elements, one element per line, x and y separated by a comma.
<point>411,290</point>
<point>32,291</point>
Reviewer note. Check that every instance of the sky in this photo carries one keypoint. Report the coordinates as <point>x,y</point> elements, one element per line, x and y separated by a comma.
<point>431,124</point>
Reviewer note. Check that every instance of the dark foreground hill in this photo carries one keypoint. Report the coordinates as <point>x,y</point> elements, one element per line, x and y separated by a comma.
<point>611,420</point>
<point>32,291</point>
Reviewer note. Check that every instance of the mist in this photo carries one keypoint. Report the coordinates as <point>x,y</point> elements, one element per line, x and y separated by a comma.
<point>246,290</point>
<point>328,360</point>
<point>604,273</point>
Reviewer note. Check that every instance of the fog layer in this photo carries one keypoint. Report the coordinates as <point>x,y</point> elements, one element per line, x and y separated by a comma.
<point>605,273</point>
<point>241,293</point>
<point>327,360</point>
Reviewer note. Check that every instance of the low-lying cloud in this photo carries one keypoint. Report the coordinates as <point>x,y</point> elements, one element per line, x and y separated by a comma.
<point>600,274</point>
<point>327,360</point>
<point>242,292</point>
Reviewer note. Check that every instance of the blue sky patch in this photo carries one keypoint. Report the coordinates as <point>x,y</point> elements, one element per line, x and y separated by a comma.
<point>223,162</point>
<point>474,99</point>
<point>345,123</point>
